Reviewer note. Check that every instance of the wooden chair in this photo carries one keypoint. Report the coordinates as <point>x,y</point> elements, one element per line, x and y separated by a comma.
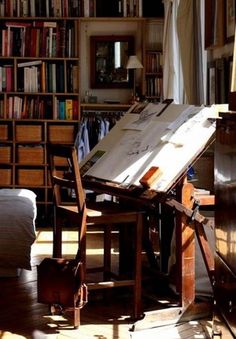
<point>107,214</point>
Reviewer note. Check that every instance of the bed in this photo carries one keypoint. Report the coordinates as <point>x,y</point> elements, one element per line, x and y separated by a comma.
<point>17,230</point>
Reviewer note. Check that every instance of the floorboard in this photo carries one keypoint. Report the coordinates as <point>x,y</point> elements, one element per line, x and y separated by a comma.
<point>104,317</point>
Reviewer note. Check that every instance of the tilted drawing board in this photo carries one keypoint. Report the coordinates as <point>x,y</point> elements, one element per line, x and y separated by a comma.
<point>169,137</point>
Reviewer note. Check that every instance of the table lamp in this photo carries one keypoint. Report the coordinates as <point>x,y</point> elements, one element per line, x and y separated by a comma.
<point>134,63</point>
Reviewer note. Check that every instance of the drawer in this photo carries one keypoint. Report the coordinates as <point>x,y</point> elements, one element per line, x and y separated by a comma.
<point>3,132</point>
<point>61,134</point>
<point>5,154</point>
<point>60,161</point>
<point>5,176</point>
<point>29,133</point>
<point>32,155</point>
<point>30,177</point>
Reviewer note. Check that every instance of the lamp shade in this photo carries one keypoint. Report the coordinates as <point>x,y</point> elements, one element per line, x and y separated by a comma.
<point>133,62</point>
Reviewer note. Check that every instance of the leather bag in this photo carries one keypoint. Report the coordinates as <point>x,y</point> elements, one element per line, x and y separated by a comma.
<point>60,282</point>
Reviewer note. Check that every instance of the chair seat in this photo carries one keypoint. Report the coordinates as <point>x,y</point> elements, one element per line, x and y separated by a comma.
<point>105,211</point>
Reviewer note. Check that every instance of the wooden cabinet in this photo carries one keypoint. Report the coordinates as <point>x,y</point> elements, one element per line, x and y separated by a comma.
<point>23,155</point>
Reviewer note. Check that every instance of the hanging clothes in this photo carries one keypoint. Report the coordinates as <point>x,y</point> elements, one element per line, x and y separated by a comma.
<point>93,127</point>
<point>82,141</point>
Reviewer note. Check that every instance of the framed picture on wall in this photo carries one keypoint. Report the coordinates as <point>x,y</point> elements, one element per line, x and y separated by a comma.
<point>211,83</point>
<point>230,19</point>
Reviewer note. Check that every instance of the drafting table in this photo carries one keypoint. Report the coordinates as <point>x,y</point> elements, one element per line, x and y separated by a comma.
<point>167,137</point>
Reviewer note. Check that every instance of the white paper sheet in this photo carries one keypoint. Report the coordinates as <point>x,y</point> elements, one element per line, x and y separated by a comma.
<point>130,153</point>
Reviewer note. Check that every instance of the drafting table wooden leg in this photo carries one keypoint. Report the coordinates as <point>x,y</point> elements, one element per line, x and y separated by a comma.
<point>206,251</point>
<point>185,248</point>
<point>188,309</point>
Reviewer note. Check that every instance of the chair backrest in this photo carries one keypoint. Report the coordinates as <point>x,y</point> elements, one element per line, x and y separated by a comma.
<point>65,175</point>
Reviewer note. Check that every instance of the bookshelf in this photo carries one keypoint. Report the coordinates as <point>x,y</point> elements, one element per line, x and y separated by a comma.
<point>39,90</point>
<point>153,60</point>
<point>44,75</point>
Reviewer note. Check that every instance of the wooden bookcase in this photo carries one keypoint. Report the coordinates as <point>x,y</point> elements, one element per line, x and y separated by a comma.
<point>153,59</point>
<point>39,91</point>
<point>40,85</point>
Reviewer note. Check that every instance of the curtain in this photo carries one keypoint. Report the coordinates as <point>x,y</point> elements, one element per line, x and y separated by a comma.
<point>172,70</point>
<point>184,71</point>
<point>190,44</point>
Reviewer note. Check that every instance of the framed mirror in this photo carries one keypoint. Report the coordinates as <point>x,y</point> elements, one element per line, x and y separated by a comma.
<point>108,57</point>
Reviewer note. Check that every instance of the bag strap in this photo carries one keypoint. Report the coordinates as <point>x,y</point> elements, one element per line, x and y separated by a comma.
<point>82,296</point>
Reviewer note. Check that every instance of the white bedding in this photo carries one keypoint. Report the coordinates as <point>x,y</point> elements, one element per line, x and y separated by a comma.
<point>17,227</point>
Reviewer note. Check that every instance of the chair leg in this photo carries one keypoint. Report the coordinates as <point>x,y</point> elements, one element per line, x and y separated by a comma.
<point>138,267</point>
<point>57,237</point>
<point>107,252</point>
<point>76,317</point>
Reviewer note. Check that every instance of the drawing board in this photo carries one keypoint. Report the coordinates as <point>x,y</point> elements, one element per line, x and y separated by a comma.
<point>168,137</point>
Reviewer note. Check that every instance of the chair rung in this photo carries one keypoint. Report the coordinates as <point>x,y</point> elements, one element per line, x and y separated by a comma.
<point>109,284</point>
<point>94,269</point>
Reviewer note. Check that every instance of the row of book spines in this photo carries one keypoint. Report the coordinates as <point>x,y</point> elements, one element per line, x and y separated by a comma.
<point>132,8</point>
<point>39,8</point>
<point>68,8</point>
<point>67,109</point>
<point>37,108</point>
<point>45,78</point>
<point>154,87</point>
<point>154,62</point>
<point>39,40</point>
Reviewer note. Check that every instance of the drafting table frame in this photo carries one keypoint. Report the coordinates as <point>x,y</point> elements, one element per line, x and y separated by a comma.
<point>188,222</point>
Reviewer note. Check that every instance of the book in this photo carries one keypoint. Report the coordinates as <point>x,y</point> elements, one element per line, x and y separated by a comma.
<point>43,77</point>
<point>86,8</point>
<point>43,24</point>
<point>0,78</point>
<point>24,8</point>
<point>29,63</point>
<point>33,44</point>
<point>75,77</point>
<point>62,34</point>
<point>57,8</point>
<point>69,109</point>
<point>75,108</point>
<point>54,78</point>
<point>61,112</point>
<point>4,83</point>
<point>10,107</point>
<point>9,78</point>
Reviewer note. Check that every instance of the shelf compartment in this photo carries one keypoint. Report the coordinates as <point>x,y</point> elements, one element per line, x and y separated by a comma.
<point>5,154</point>
<point>5,176</point>
<point>4,132</point>
<point>61,134</point>
<point>30,177</point>
<point>29,133</point>
<point>30,154</point>
<point>60,161</point>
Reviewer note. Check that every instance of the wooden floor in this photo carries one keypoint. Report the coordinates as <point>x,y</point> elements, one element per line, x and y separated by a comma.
<point>21,316</point>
